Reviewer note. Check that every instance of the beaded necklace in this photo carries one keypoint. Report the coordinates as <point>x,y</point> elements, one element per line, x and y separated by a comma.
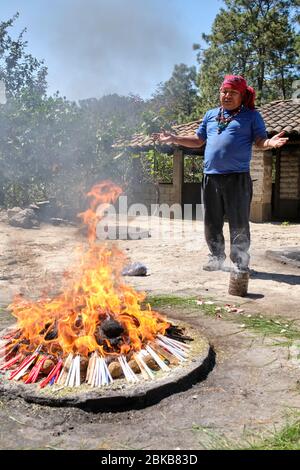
<point>224,121</point>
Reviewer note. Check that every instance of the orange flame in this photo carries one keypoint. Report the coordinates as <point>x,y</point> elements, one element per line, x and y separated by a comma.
<point>74,320</point>
<point>102,194</point>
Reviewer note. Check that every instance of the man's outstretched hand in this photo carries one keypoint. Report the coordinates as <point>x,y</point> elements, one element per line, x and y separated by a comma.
<point>164,137</point>
<point>277,140</point>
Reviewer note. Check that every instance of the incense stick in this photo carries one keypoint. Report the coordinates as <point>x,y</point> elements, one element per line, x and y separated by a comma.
<point>157,359</point>
<point>128,372</point>
<point>64,373</point>
<point>143,366</point>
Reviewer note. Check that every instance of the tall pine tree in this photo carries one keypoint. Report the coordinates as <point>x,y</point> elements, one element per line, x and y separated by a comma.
<point>176,99</point>
<point>255,39</point>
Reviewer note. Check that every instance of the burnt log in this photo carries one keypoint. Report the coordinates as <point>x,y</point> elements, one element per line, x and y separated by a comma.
<point>111,328</point>
<point>83,368</point>
<point>109,334</point>
<point>52,333</point>
<point>177,333</point>
<point>151,362</point>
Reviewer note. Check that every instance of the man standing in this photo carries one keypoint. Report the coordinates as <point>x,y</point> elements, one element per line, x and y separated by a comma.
<point>229,132</point>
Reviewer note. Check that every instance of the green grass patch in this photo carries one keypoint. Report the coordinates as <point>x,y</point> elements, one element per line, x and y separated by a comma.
<point>287,438</point>
<point>165,301</point>
<point>209,439</point>
<point>272,327</point>
<point>266,326</point>
<point>160,301</point>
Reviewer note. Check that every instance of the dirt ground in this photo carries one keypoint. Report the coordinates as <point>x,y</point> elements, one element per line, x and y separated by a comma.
<point>254,385</point>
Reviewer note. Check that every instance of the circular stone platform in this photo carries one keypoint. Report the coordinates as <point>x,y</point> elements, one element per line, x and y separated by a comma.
<point>120,395</point>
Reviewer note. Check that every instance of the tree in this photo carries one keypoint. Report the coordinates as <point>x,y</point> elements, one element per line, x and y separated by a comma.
<point>175,100</point>
<point>49,146</point>
<point>113,117</point>
<point>255,39</point>
<point>20,71</point>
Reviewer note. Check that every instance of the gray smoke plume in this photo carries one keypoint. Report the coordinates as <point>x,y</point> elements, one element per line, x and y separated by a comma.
<point>113,46</point>
<point>2,92</point>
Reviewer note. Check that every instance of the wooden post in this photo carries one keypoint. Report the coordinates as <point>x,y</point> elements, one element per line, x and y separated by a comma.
<point>276,208</point>
<point>178,174</point>
<point>261,172</point>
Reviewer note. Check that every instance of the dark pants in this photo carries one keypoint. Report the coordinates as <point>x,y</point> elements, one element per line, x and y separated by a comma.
<point>228,195</point>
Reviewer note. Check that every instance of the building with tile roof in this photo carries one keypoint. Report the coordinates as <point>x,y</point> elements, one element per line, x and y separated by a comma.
<point>275,173</point>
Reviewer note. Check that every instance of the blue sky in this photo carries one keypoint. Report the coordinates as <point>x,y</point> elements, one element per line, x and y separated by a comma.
<point>95,47</point>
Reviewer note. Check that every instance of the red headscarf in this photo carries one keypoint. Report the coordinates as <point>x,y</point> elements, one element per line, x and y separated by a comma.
<point>237,82</point>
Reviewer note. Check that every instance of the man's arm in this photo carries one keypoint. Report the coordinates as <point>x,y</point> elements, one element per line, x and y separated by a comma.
<point>189,141</point>
<point>275,142</point>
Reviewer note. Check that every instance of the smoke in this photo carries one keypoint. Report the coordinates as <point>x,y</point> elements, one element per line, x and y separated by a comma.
<point>92,48</point>
<point>113,46</point>
<point>2,92</point>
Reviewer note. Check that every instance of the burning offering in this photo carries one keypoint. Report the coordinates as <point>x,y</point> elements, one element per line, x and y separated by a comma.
<point>97,330</point>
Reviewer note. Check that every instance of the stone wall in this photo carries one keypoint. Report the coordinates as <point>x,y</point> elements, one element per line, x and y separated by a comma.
<point>289,191</point>
<point>289,173</point>
<point>146,194</point>
<point>169,194</point>
<point>142,194</point>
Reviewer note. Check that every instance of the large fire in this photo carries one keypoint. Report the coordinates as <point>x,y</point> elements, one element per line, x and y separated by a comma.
<point>94,302</point>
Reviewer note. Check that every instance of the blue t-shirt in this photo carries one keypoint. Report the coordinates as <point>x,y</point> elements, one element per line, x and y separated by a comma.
<point>230,151</point>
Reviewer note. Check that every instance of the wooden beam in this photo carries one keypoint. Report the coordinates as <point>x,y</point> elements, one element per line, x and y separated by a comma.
<point>178,173</point>
<point>276,208</point>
